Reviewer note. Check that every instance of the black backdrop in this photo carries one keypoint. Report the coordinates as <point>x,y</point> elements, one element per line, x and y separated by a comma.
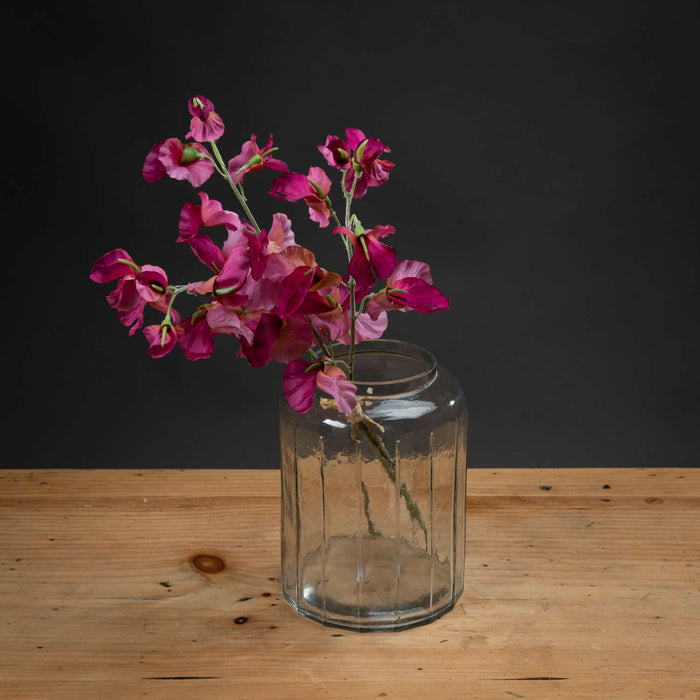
<point>547,169</point>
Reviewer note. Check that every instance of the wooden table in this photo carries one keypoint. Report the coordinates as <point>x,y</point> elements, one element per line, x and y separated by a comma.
<point>581,583</point>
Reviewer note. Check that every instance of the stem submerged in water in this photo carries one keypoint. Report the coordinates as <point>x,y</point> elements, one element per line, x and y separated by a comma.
<point>375,441</point>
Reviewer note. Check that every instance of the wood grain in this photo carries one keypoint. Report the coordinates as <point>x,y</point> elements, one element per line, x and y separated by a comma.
<point>580,583</point>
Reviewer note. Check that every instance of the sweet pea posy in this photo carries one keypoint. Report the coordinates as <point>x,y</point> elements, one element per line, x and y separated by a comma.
<point>262,287</point>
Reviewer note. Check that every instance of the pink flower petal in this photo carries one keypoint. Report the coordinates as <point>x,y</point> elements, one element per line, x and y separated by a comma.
<point>153,169</point>
<point>291,187</point>
<point>110,266</point>
<point>333,381</point>
<point>410,268</point>
<point>381,256</point>
<point>418,295</point>
<point>197,340</point>
<point>298,385</point>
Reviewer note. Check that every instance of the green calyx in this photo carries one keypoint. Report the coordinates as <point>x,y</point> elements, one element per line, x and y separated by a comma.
<point>226,290</point>
<point>131,264</point>
<point>189,155</point>
<point>317,187</point>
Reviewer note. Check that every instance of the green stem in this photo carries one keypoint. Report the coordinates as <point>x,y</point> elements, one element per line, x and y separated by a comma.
<point>389,466</point>
<point>236,190</point>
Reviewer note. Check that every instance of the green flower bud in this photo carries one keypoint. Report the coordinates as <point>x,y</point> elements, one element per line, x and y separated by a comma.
<point>189,155</point>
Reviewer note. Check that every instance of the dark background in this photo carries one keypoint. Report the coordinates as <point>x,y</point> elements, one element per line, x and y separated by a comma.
<point>547,170</point>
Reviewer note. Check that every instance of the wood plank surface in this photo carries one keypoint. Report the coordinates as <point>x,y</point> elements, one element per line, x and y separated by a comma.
<point>580,583</point>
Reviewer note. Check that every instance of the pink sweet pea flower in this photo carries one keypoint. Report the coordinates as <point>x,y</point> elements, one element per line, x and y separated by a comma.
<point>335,324</point>
<point>312,188</point>
<point>225,320</point>
<point>162,338</point>
<point>112,266</point>
<point>301,379</point>
<point>305,291</point>
<point>408,288</point>
<point>206,124</point>
<point>137,286</point>
<point>369,256</point>
<point>125,300</point>
<point>197,339</point>
<point>360,155</point>
<point>276,339</point>
<point>208,213</point>
<point>178,160</point>
<point>253,158</point>
<point>152,284</point>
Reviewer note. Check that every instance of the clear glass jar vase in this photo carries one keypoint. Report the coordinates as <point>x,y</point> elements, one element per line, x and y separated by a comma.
<point>373,515</point>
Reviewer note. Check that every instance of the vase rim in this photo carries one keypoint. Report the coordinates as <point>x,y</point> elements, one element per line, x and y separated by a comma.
<point>421,369</point>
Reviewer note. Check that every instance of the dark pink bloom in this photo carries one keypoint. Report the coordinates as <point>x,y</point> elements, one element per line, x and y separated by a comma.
<point>369,256</point>
<point>312,188</point>
<point>276,339</point>
<point>128,304</point>
<point>335,323</point>
<point>152,284</point>
<point>301,379</point>
<point>408,288</point>
<point>336,152</point>
<point>228,283</point>
<point>253,158</point>
<point>153,167</point>
<point>112,266</point>
<point>178,160</point>
<point>206,124</point>
<point>304,291</point>
<point>208,213</point>
<point>161,338</point>
<point>197,339</point>
<point>361,155</point>
<point>137,287</point>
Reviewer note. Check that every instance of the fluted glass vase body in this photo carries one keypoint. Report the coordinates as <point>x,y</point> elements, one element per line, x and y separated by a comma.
<point>373,515</point>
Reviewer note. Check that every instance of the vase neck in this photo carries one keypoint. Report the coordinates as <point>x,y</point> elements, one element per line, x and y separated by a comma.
<point>390,367</point>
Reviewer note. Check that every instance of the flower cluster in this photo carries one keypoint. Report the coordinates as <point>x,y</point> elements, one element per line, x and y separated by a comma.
<point>261,286</point>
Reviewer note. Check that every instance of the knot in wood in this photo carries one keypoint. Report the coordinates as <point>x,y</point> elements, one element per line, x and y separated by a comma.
<point>208,563</point>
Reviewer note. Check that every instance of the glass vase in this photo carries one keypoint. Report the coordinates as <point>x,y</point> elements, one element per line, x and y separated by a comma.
<point>373,514</point>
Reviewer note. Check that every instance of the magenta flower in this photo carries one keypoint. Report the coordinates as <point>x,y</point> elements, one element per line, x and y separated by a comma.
<point>112,266</point>
<point>197,339</point>
<point>312,188</point>
<point>137,286</point>
<point>301,379</point>
<point>253,158</point>
<point>276,339</point>
<point>162,338</point>
<point>206,124</point>
<point>369,256</point>
<point>360,155</point>
<point>408,288</point>
<point>227,284</point>
<point>178,160</point>
<point>208,213</point>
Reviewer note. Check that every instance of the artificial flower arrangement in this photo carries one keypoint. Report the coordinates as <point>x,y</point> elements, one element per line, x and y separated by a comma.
<point>261,286</point>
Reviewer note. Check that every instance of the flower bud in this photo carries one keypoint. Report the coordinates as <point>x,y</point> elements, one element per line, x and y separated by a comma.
<point>189,155</point>
<point>360,150</point>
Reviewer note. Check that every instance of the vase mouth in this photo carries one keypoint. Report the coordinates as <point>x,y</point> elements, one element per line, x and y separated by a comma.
<point>386,367</point>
